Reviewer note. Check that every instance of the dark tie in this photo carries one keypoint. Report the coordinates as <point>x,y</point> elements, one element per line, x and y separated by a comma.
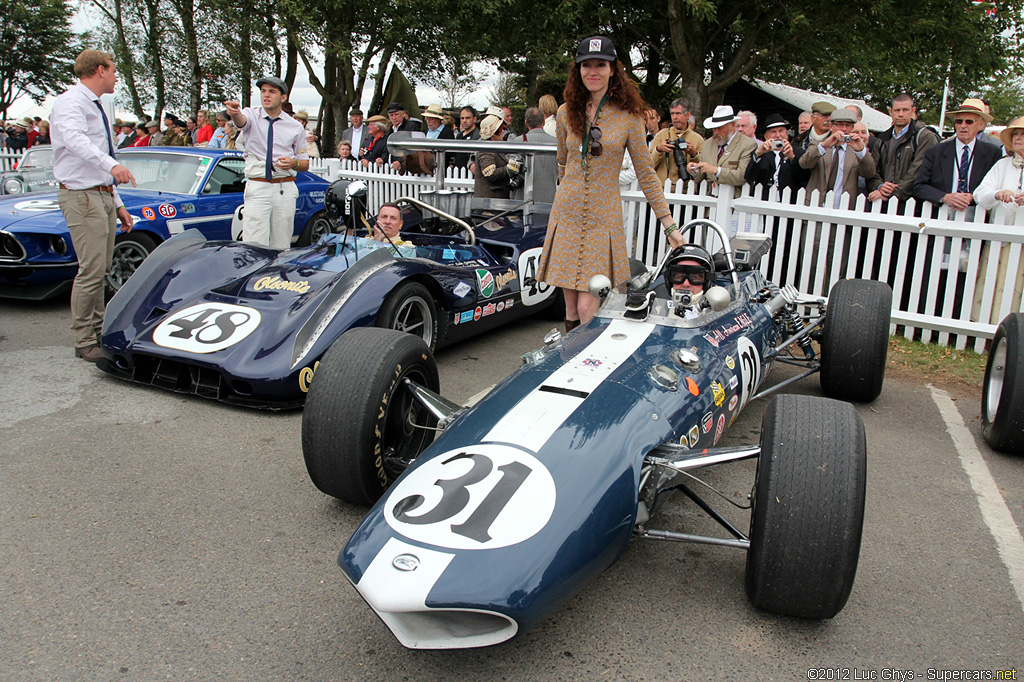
<point>721,150</point>
<point>965,161</point>
<point>106,127</point>
<point>270,149</point>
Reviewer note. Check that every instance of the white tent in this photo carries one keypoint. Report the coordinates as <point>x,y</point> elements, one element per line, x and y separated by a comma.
<point>874,119</point>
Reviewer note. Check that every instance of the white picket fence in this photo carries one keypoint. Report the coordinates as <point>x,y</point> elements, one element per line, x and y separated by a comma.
<point>8,159</point>
<point>936,267</point>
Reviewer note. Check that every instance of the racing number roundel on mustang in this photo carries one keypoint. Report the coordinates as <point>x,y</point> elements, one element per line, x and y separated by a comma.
<point>207,327</point>
<point>479,497</point>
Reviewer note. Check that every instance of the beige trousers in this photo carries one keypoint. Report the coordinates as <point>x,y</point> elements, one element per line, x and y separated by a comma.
<point>92,221</point>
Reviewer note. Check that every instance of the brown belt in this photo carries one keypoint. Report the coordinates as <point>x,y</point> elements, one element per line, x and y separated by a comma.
<point>274,181</point>
<point>109,189</point>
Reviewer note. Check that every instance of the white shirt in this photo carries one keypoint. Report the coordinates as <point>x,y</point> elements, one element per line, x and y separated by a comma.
<point>289,140</point>
<point>357,140</point>
<point>81,142</point>
<point>956,163</point>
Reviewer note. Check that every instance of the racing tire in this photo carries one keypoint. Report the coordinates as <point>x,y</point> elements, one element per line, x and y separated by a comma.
<point>316,227</point>
<point>855,342</point>
<point>807,509</point>
<point>1002,391</point>
<point>130,249</point>
<point>358,432</point>
<point>411,309</point>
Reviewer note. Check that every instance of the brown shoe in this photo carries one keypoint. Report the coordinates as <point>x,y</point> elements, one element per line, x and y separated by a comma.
<point>89,353</point>
<point>570,325</point>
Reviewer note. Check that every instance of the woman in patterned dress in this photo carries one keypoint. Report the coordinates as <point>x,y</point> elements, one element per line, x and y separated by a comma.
<point>601,118</point>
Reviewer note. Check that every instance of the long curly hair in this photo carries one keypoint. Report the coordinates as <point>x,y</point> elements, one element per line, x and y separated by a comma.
<point>622,92</point>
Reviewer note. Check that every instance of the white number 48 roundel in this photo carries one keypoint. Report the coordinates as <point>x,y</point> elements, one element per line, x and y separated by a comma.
<point>207,327</point>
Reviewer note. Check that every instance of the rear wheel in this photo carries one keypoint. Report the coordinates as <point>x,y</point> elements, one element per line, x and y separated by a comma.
<point>856,340</point>
<point>130,249</point>
<point>808,507</point>
<point>1002,392</point>
<point>410,308</point>
<point>361,427</point>
<point>316,227</point>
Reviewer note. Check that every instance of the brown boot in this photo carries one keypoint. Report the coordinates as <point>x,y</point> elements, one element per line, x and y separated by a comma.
<point>570,325</point>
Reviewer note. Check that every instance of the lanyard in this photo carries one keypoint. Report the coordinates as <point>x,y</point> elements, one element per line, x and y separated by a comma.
<point>585,147</point>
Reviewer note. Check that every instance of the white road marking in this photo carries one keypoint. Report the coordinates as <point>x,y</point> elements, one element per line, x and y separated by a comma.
<point>993,507</point>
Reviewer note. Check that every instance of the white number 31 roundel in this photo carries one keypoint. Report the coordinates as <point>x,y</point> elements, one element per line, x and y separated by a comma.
<point>207,327</point>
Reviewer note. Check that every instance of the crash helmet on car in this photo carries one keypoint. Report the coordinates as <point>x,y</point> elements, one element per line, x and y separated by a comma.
<point>345,200</point>
<point>676,271</point>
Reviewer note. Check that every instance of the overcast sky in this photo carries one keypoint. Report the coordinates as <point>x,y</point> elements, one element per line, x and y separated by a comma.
<point>303,96</point>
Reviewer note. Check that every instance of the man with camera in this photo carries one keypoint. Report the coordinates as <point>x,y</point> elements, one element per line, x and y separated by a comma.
<point>838,161</point>
<point>674,147</point>
<point>774,163</point>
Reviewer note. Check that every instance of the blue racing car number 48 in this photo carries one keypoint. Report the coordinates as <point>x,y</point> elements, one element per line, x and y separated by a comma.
<point>207,327</point>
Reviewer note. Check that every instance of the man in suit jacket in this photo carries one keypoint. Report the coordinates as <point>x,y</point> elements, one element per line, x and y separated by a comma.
<point>545,167</point>
<point>356,135</point>
<point>724,156</point>
<point>775,162</point>
<point>835,164</point>
<point>952,170</point>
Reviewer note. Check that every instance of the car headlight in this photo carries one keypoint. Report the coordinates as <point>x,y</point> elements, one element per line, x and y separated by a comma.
<point>13,186</point>
<point>10,247</point>
<point>58,245</point>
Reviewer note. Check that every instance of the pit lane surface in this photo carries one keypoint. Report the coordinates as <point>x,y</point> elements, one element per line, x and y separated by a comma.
<point>147,535</point>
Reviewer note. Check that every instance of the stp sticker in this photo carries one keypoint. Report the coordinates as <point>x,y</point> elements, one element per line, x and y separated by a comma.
<point>478,497</point>
<point>206,327</point>
<point>719,428</point>
<point>148,213</point>
<point>167,211</point>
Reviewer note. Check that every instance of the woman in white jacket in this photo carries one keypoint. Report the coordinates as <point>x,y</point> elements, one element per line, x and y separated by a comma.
<point>1003,185</point>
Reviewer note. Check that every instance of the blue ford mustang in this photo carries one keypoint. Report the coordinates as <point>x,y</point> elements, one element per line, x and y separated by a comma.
<point>178,189</point>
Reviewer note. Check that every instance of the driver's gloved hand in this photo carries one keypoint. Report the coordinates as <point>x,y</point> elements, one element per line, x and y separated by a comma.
<point>638,304</point>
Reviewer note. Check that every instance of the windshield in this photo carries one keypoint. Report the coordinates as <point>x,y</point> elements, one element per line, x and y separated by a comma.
<point>36,158</point>
<point>179,173</point>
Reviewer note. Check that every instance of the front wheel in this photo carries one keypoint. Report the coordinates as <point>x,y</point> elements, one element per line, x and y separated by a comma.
<point>130,249</point>
<point>808,507</point>
<point>856,340</point>
<point>361,427</point>
<point>411,309</point>
<point>1002,392</point>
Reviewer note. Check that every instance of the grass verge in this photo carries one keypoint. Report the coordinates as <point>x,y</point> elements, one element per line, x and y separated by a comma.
<point>941,365</point>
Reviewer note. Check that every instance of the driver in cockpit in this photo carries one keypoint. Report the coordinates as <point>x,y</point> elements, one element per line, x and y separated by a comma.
<point>690,272</point>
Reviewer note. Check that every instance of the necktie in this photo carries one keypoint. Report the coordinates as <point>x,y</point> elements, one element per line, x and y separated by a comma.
<point>721,150</point>
<point>270,148</point>
<point>106,127</point>
<point>840,173</point>
<point>965,162</point>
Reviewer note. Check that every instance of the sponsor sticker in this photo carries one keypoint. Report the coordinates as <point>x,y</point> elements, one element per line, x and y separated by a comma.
<point>461,289</point>
<point>449,254</point>
<point>489,309</point>
<point>148,213</point>
<point>694,435</point>
<point>501,306</point>
<point>718,391</point>
<point>734,381</point>
<point>167,210</point>
<point>591,362</point>
<point>468,316</point>
<point>733,402</point>
<point>479,497</point>
<point>508,305</point>
<point>739,323</point>
<point>477,313</point>
<point>719,428</point>
<point>486,281</point>
<point>504,278</point>
<point>275,283</point>
<point>707,422</point>
<point>729,362</point>
<point>188,208</point>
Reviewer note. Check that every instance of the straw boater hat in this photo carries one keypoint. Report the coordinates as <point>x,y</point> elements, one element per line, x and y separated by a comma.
<point>972,106</point>
<point>492,120</point>
<point>723,115</point>
<point>1007,135</point>
<point>380,120</point>
<point>434,111</point>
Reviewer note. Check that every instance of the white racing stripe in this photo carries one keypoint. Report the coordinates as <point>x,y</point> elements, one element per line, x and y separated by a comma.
<point>993,507</point>
<point>539,414</point>
<point>179,225</point>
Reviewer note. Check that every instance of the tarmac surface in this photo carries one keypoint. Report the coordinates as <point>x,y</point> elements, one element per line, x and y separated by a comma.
<point>147,535</point>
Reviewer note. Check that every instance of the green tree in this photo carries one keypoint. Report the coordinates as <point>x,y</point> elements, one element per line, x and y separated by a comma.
<point>37,49</point>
